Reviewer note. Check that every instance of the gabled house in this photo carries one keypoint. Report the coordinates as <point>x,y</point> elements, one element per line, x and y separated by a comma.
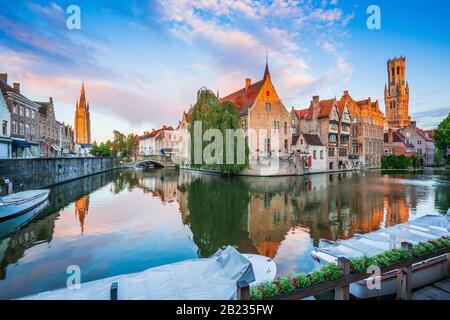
<point>184,136</point>
<point>264,118</point>
<point>312,151</point>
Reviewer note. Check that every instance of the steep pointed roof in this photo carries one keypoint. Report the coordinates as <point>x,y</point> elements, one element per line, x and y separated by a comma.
<point>325,107</point>
<point>301,113</point>
<point>82,103</point>
<point>244,98</point>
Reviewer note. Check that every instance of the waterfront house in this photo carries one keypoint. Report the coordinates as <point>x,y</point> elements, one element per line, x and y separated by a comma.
<point>5,130</point>
<point>147,143</point>
<point>312,150</point>
<point>49,130</point>
<point>184,136</point>
<point>298,121</point>
<point>66,138</point>
<point>423,143</point>
<point>24,120</point>
<point>264,118</point>
<point>159,142</point>
<point>367,130</point>
<point>324,119</point>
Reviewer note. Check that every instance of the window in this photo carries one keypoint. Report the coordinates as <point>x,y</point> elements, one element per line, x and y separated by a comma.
<point>276,125</point>
<point>331,152</point>
<point>14,126</point>
<point>332,138</point>
<point>27,112</point>
<point>294,131</point>
<point>286,145</point>
<point>21,128</point>
<point>244,124</point>
<point>285,127</point>
<point>301,141</point>
<point>21,111</point>
<point>321,154</point>
<point>355,148</point>
<point>419,141</point>
<point>315,154</point>
<point>33,114</point>
<point>27,129</point>
<point>15,108</point>
<point>267,107</point>
<point>398,71</point>
<point>5,127</point>
<point>342,152</point>
<point>33,130</point>
<point>420,152</point>
<point>267,93</point>
<point>267,145</point>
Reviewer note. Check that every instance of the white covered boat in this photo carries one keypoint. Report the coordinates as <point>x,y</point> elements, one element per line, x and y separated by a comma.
<point>213,278</point>
<point>415,231</point>
<point>21,202</point>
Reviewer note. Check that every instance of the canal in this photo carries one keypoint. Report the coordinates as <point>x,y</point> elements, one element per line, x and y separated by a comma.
<point>127,221</point>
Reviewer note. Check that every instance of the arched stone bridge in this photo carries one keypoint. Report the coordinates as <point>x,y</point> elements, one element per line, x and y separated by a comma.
<point>156,160</point>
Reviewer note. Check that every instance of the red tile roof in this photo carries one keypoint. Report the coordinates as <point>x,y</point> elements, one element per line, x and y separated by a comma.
<point>325,107</point>
<point>301,113</point>
<point>244,98</point>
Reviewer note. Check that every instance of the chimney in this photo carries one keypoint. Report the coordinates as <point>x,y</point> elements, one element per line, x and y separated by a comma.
<point>4,77</point>
<point>16,86</point>
<point>248,82</point>
<point>346,93</point>
<point>50,99</point>
<point>316,99</point>
<point>413,124</point>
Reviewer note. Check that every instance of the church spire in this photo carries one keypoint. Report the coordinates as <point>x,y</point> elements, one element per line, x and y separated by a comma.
<point>266,71</point>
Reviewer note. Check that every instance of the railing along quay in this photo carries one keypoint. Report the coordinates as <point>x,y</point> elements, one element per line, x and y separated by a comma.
<point>341,287</point>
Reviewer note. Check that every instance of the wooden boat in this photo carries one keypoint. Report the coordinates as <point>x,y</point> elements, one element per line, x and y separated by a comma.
<point>415,231</point>
<point>213,278</point>
<point>21,202</point>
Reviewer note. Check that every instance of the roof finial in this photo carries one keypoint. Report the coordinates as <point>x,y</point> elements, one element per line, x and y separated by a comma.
<point>266,71</point>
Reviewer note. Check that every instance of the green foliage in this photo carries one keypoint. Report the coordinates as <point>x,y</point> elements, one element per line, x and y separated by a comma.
<point>285,285</point>
<point>221,116</point>
<point>399,162</point>
<point>122,146</point>
<point>442,135</point>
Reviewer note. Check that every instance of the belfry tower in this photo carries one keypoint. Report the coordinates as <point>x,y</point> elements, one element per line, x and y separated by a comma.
<point>82,120</point>
<point>396,94</point>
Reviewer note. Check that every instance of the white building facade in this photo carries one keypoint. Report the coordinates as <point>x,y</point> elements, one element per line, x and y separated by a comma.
<point>5,130</point>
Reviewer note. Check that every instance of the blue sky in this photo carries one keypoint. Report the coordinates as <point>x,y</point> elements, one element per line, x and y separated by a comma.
<point>143,61</point>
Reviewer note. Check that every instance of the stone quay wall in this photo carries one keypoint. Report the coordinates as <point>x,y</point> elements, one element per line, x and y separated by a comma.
<point>36,173</point>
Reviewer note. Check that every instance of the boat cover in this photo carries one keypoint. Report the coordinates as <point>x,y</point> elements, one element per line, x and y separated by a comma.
<point>418,230</point>
<point>213,278</point>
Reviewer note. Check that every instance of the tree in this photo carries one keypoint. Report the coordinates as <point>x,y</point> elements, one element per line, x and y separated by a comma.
<point>122,145</point>
<point>442,135</point>
<point>220,116</point>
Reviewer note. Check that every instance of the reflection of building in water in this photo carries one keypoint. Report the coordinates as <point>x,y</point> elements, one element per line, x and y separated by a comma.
<point>270,219</point>
<point>162,186</point>
<point>81,210</point>
<point>13,248</point>
<point>397,209</point>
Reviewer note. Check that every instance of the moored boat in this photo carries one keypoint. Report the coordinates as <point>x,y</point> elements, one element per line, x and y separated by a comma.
<point>19,203</point>
<point>415,231</point>
<point>213,278</point>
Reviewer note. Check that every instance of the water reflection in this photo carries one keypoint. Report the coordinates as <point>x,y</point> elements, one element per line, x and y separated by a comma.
<point>127,221</point>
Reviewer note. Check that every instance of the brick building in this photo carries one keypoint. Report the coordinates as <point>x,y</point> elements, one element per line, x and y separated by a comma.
<point>24,120</point>
<point>423,144</point>
<point>49,130</point>
<point>395,143</point>
<point>333,127</point>
<point>264,119</point>
<point>5,129</point>
<point>367,130</point>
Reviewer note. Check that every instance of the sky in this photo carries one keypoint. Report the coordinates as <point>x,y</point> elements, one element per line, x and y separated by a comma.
<point>143,61</point>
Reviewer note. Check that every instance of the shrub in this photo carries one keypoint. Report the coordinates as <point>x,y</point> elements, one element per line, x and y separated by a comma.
<point>285,285</point>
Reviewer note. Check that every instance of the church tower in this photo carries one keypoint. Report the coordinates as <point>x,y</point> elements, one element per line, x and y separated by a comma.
<point>396,94</point>
<point>82,120</point>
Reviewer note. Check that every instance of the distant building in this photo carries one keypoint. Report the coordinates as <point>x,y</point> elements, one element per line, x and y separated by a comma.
<point>260,110</point>
<point>49,130</point>
<point>82,124</point>
<point>161,141</point>
<point>423,143</point>
<point>24,120</point>
<point>396,94</point>
<point>395,143</point>
<point>5,129</point>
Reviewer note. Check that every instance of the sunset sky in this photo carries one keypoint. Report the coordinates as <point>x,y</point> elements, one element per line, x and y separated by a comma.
<point>143,61</point>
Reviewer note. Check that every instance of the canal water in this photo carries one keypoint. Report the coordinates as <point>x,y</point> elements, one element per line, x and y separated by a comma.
<point>127,221</point>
